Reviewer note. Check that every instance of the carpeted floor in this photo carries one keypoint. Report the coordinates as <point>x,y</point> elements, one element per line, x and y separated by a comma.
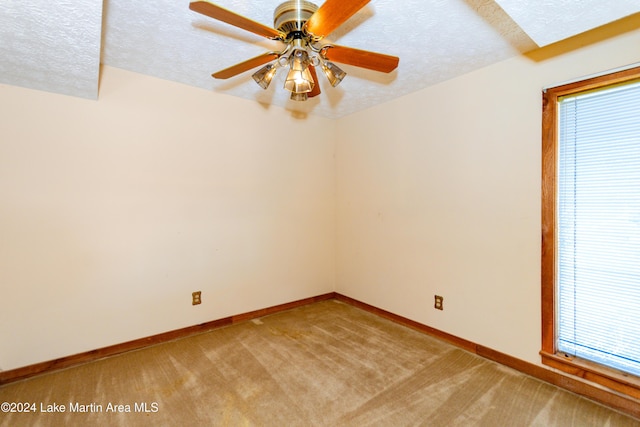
<point>325,364</point>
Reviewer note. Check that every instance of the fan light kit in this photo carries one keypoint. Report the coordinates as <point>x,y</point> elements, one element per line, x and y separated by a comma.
<point>301,26</point>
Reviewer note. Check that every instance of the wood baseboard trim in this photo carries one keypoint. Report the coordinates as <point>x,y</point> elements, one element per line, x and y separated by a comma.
<point>595,392</point>
<point>598,393</point>
<point>459,342</point>
<point>93,355</point>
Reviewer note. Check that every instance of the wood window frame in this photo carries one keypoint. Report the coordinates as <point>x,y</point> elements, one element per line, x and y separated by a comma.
<point>613,379</point>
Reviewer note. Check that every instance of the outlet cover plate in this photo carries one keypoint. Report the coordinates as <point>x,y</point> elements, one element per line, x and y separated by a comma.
<point>196,298</point>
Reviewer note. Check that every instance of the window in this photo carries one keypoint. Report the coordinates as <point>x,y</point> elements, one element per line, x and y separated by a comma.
<point>591,230</point>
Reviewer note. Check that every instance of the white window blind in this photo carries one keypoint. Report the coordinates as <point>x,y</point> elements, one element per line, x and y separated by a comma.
<point>598,271</point>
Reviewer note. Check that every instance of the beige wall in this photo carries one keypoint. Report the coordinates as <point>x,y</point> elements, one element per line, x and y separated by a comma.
<point>439,193</point>
<point>113,212</point>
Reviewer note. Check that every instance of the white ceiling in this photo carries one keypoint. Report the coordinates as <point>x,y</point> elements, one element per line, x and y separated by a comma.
<point>549,21</point>
<point>57,46</point>
<point>52,46</point>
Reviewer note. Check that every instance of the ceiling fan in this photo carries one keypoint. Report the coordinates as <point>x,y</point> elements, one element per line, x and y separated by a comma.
<point>301,26</point>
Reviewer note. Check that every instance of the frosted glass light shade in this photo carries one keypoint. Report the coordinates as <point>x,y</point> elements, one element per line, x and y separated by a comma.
<point>299,96</point>
<point>299,79</point>
<point>264,75</point>
<point>334,73</point>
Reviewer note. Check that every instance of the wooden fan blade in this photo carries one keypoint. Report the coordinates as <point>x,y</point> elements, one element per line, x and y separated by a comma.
<point>361,58</point>
<point>245,66</point>
<point>221,14</point>
<point>331,15</point>
<point>316,87</point>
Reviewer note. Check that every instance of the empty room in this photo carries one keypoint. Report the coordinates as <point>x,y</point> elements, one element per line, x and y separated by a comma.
<point>423,213</point>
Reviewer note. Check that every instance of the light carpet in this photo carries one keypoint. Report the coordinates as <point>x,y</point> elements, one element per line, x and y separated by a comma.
<point>324,364</point>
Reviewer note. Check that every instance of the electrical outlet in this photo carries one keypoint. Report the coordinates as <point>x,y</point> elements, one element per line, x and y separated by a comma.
<point>196,298</point>
<point>438,305</point>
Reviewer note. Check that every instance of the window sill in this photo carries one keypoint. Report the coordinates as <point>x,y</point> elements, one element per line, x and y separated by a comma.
<point>615,380</point>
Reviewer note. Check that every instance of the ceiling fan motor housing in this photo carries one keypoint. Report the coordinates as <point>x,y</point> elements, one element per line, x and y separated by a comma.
<point>290,16</point>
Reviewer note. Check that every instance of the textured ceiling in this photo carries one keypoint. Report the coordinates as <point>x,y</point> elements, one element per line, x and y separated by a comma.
<point>52,46</point>
<point>549,21</point>
<point>56,46</point>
